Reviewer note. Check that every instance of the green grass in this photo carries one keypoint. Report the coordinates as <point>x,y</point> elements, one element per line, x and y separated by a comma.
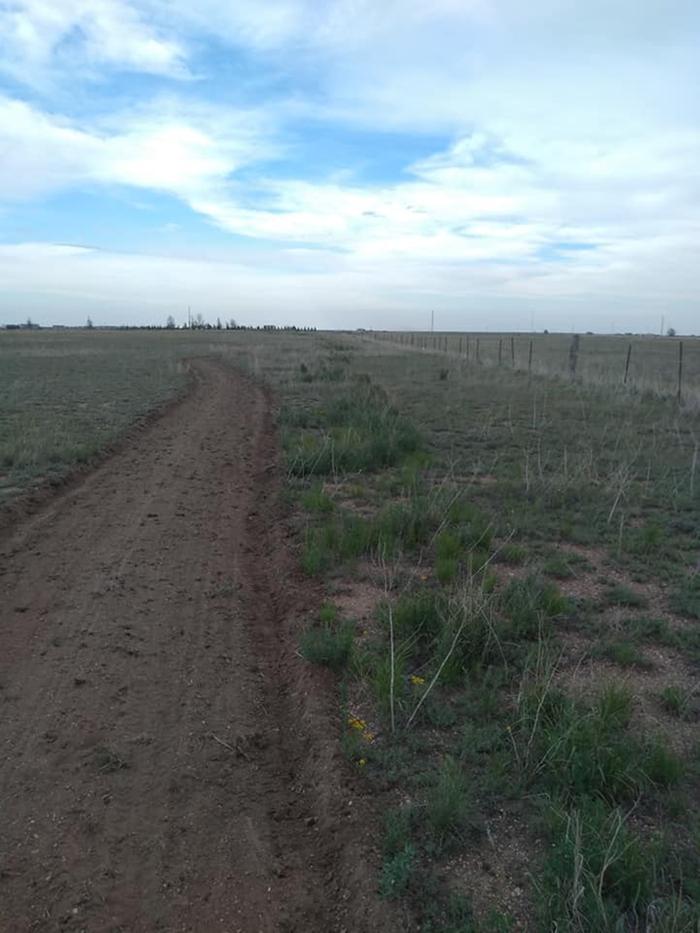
<point>450,809</point>
<point>552,464</point>
<point>597,872</point>
<point>530,604</point>
<point>558,567</point>
<point>572,750</point>
<point>316,500</point>
<point>330,642</point>
<point>677,701</point>
<point>620,595</point>
<point>623,652</point>
<point>361,432</point>
<point>686,600</point>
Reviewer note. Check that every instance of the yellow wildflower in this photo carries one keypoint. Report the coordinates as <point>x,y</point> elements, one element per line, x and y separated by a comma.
<point>416,680</point>
<point>362,762</point>
<point>368,736</point>
<point>356,723</point>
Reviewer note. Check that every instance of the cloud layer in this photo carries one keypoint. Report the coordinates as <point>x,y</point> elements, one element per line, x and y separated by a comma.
<point>559,170</point>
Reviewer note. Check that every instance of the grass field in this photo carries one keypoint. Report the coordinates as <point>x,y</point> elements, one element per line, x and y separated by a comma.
<point>65,396</point>
<point>512,602</point>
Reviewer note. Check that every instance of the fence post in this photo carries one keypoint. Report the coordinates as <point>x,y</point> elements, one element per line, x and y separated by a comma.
<point>512,352</point>
<point>680,371</point>
<point>627,363</point>
<point>573,355</point>
<point>461,345</point>
<point>467,348</point>
<point>500,350</point>
<point>529,362</point>
<point>478,359</point>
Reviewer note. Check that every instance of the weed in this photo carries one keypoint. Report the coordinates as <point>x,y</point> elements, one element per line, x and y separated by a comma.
<point>620,595</point>
<point>329,644</point>
<point>316,500</point>
<point>623,652</point>
<point>471,526</point>
<point>419,616</point>
<point>686,640</point>
<point>646,540</point>
<point>676,700</point>
<point>597,872</point>
<point>446,569</point>
<point>107,760</point>
<point>397,872</point>
<point>576,751</point>
<point>510,553</point>
<point>686,600</point>
<point>529,603</point>
<point>363,433</point>
<point>558,567</point>
<point>397,830</point>
<point>449,807</point>
<point>388,683</point>
<point>328,613</point>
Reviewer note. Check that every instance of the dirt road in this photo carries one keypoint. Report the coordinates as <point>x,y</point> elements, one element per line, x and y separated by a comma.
<point>167,762</point>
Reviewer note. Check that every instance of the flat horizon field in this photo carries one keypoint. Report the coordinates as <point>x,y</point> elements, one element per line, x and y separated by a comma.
<point>348,631</point>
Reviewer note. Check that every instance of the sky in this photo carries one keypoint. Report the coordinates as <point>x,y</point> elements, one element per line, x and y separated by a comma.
<point>352,163</point>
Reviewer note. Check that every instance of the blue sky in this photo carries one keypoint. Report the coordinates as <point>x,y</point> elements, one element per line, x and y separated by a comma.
<point>352,163</point>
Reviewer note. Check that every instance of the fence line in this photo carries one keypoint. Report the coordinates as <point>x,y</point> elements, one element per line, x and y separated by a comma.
<point>661,365</point>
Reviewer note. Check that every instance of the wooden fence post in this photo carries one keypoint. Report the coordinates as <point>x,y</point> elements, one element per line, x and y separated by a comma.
<point>529,361</point>
<point>512,352</point>
<point>680,371</point>
<point>573,355</point>
<point>627,363</point>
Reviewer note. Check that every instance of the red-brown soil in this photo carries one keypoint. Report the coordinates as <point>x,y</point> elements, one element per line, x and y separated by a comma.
<point>167,760</point>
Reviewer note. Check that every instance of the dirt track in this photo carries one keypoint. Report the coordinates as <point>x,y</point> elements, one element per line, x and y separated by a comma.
<point>167,762</point>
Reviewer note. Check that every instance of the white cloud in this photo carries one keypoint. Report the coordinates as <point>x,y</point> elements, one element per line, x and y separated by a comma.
<point>39,38</point>
<point>571,123</point>
<point>163,146</point>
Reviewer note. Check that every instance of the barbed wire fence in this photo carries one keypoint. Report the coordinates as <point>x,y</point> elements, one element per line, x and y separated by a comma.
<point>662,366</point>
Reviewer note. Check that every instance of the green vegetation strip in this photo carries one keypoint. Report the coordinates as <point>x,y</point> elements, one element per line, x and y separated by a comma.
<point>462,676</point>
